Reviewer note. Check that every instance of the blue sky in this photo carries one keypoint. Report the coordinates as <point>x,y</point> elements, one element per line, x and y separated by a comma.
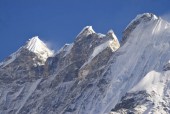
<point>59,21</point>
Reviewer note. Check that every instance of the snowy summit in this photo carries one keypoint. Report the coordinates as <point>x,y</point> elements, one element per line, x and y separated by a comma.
<point>38,47</point>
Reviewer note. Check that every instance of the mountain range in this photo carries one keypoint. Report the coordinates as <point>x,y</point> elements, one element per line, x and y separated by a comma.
<point>96,74</point>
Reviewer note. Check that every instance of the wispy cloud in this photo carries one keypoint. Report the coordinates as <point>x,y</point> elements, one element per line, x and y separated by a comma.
<point>55,46</point>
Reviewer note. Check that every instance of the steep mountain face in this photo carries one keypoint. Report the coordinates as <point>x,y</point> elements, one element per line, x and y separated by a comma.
<point>34,80</point>
<point>93,75</point>
<point>147,72</point>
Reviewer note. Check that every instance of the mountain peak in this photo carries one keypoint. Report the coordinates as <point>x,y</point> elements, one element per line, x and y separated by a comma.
<point>38,47</point>
<point>34,44</point>
<point>139,19</point>
<point>143,17</point>
<point>86,31</point>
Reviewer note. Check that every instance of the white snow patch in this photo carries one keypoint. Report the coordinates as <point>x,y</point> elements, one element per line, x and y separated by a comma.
<point>112,44</point>
<point>99,49</point>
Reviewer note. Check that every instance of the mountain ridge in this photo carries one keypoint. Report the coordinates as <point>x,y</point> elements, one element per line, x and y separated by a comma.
<point>95,74</point>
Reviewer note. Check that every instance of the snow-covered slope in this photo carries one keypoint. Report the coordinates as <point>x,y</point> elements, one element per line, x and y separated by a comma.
<point>93,75</point>
<point>147,50</point>
<point>150,95</point>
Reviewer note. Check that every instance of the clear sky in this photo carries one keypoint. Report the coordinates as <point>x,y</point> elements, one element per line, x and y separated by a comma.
<point>59,21</point>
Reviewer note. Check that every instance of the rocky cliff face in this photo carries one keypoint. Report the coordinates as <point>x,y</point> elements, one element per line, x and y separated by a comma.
<point>93,75</point>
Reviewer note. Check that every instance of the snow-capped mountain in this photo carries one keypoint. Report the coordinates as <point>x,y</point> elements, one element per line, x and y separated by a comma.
<point>148,71</point>
<point>93,75</point>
